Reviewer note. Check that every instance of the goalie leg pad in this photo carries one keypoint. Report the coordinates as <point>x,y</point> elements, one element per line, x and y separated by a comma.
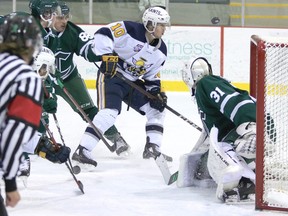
<point>193,171</point>
<point>225,166</point>
<point>187,169</point>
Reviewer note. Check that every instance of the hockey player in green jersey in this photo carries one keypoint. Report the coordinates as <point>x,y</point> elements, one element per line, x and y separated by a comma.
<point>44,13</point>
<point>226,149</point>
<point>44,65</point>
<point>71,39</point>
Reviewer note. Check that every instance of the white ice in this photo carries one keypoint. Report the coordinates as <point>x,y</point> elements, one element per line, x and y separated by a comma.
<point>123,186</point>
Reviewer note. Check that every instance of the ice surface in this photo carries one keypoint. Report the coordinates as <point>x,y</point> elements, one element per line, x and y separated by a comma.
<point>123,186</point>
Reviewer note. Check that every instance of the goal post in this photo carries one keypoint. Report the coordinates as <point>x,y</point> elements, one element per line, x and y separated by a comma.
<point>269,85</point>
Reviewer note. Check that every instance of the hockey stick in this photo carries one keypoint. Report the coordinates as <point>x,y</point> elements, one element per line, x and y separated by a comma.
<point>163,166</point>
<point>78,182</point>
<point>76,169</point>
<point>132,84</point>
<point>161,160</point>
<point>140,89</point>
<point>99,134</point>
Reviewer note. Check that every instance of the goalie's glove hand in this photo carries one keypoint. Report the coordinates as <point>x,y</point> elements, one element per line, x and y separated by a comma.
<point>109,64</point>
<point>160,101</point>
<point>54,153</point>
<point>50,104</point>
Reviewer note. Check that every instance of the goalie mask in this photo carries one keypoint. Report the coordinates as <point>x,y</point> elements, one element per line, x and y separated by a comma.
<point>195,70</point>
<point>45,63</point>
<point>153,16</point>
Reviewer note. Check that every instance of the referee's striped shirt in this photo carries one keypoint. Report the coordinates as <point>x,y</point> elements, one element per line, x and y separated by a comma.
<point>20,110</point>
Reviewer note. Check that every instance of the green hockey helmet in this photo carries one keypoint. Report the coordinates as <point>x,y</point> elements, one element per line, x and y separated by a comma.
<point>33,4</point>
<point>64,10</point>
<point>43,9</point>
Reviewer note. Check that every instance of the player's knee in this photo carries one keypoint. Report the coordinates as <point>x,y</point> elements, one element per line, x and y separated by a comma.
<point>105,119</point>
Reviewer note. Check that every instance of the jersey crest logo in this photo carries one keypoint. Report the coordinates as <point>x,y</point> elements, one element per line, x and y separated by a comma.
<point>138,68</point>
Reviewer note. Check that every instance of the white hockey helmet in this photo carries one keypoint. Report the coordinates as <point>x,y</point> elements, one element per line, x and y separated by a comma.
<point>194,70</point>
<point>154,15</point>
<point>45,63</point>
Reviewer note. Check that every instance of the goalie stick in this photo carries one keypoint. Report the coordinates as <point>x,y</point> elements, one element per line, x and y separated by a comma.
<point>78,182</point>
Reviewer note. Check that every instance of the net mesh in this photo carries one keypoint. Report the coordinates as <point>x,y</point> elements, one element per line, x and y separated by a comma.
<point>275,124</point>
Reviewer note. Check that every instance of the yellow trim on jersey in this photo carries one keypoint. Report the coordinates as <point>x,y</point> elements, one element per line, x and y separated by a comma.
<point>101,91</point>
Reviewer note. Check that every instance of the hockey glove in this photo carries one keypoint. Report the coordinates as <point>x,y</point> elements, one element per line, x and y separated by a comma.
<point>160,100</point>
<point>50,105</point>
<point>109,64</point>
<point>54,153</point>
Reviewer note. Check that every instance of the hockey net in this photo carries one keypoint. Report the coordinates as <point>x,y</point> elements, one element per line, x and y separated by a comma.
<point>269,85</point>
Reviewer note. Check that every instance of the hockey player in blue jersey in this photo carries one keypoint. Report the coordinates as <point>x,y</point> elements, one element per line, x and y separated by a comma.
<point>137,52</point>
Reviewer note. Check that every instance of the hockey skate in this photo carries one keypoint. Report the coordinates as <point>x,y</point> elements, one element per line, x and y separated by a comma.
<point>151,150</point>
<point>244,192</point>
<point>83,158</point>
<point>122,148</point>
<point>24,170</point>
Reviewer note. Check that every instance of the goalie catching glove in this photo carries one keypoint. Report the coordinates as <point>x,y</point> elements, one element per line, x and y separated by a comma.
<point>109,64</point>
<point>54,153</point>
<point>160,99</point>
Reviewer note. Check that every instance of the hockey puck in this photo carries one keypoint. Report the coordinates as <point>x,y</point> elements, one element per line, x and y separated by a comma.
<point>215,20</point>
<point>76,169</point>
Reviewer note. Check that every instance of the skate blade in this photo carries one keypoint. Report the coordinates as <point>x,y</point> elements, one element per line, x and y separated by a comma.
<point>124,154</point>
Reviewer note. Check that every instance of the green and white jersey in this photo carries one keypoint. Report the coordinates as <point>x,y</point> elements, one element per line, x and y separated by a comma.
<point>72,41</point>
<point>222,105</point>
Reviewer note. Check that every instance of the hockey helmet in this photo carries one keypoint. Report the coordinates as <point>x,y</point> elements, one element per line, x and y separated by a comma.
<point>65,10</point>
<point>43,9</point>
<point>44,63</point>
<point>20,33</point>
<point>153,16</point>
<point>194,70</point>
